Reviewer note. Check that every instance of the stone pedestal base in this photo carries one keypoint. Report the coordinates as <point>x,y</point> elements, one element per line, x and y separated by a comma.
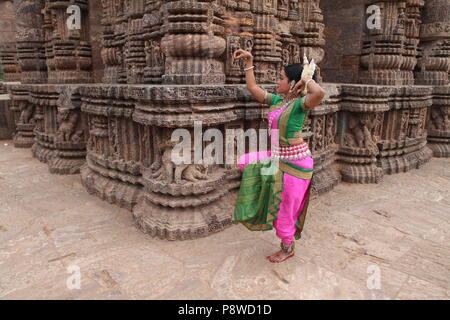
<point>185,223</point>
<point>326,174</point>
<point>361,173</point>
<point>24,137</point>
<point>324,181</point>
<point>440,147</point>
<point>413,159</point>
<point>125,195</point>
<point>42,153</point>
<point>6,118</point>
<point>59,164</point>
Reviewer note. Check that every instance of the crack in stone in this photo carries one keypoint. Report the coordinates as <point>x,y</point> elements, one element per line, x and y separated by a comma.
<point>73,254</point>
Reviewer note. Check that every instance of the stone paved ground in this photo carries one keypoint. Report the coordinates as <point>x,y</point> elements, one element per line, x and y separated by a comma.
<point>399,229</point>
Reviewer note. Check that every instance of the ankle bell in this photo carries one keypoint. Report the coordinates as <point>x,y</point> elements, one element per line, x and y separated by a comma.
<point>288,247</point>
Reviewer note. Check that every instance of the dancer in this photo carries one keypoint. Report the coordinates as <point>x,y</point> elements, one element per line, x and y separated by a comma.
<point>276,183</point>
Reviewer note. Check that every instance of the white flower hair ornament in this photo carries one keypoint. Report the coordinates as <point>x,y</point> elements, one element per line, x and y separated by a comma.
<point>308,71</point>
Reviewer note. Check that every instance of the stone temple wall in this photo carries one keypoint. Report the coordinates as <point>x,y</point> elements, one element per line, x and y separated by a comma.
<point>8,51</point>
<point>104,100</point>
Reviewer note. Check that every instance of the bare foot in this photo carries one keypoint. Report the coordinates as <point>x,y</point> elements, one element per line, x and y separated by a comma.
<point>280,256</point>
<point>287,251</point>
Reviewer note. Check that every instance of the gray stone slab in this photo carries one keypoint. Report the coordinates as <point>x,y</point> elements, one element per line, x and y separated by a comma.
<point>49,223</point>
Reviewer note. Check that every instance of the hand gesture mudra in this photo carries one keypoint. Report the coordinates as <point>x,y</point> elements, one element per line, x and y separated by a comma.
<point>308,71</point>
<point>242,54</point>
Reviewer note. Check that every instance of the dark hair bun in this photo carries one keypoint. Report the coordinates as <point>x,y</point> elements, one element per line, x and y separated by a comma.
<point>294,72</point>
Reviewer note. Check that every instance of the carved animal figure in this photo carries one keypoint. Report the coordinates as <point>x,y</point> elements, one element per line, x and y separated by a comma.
<point>166,170</point>
<point>440,118</point>
<point>27,113</point>
<point>68,121</point>
<point>192,173</point>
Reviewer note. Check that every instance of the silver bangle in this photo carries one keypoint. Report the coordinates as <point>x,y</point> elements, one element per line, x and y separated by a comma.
<point>250,68</point>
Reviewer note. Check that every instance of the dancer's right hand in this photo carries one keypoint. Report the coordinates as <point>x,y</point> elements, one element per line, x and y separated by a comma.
<point>242,54</point>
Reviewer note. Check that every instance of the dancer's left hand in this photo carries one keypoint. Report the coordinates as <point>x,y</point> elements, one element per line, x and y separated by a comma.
<point>299,87</point>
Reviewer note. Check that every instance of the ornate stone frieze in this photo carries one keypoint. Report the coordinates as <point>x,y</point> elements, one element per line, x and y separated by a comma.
<point>402,144</point>
<point>169,77</point>
<point>24,116</point>
<point>438,122</point>
<point>320,130</point>
<point>359,130</point>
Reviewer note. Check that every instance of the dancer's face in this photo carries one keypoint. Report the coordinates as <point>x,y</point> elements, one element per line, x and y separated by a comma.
<point>283,83</point>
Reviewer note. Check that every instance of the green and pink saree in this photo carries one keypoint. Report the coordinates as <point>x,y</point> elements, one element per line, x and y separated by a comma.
<point>275,186</point>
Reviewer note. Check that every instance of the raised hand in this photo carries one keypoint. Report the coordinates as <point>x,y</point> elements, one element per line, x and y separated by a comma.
<point>242,54</point>
<point>308,71</point>
<point>299,88</point>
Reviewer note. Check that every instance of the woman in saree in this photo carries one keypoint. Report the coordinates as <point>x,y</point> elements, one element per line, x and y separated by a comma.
<point>276,183</point>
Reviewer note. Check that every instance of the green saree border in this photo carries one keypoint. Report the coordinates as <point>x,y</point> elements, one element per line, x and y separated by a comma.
<point>274,207</point>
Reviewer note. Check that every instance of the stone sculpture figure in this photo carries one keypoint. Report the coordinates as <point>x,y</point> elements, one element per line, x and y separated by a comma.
<point>330,130</point>
<point>68,123</point>
<point>27,112</point>
<point>439,118</point>
<point>166,170</point>
<point>360,135</point>
<point>127,122</point>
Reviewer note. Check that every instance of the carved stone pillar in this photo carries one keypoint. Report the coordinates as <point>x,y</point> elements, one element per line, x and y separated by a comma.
<point>267,48</point>
<point>135,57</point>
<point>411,42</point>
<point>69,56</point>
<point>116,146</point>
<point>114,38</point>
<point>433,69</point>
<point>60,128</point>
<point>238,35</point>
<point>382,55</point>
<point>434,57</point>
<point>438,122</point>
<point>9,65</point>
<point>309,32</point>
<point>193,42</point>
<point>154,57</point>
<point>31,40</point>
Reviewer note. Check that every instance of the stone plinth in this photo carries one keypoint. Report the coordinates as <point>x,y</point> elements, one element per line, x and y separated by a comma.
<point>61,128</point>
<point>382,130</point>
<point>6,118</point>
<point>438,122</point>
<point>23,114</point>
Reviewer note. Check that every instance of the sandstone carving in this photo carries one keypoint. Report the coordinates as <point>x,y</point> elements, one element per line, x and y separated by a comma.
<point>103,99</point>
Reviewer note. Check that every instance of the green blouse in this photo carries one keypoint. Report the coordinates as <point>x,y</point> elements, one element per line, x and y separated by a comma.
<point>290,123</point>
